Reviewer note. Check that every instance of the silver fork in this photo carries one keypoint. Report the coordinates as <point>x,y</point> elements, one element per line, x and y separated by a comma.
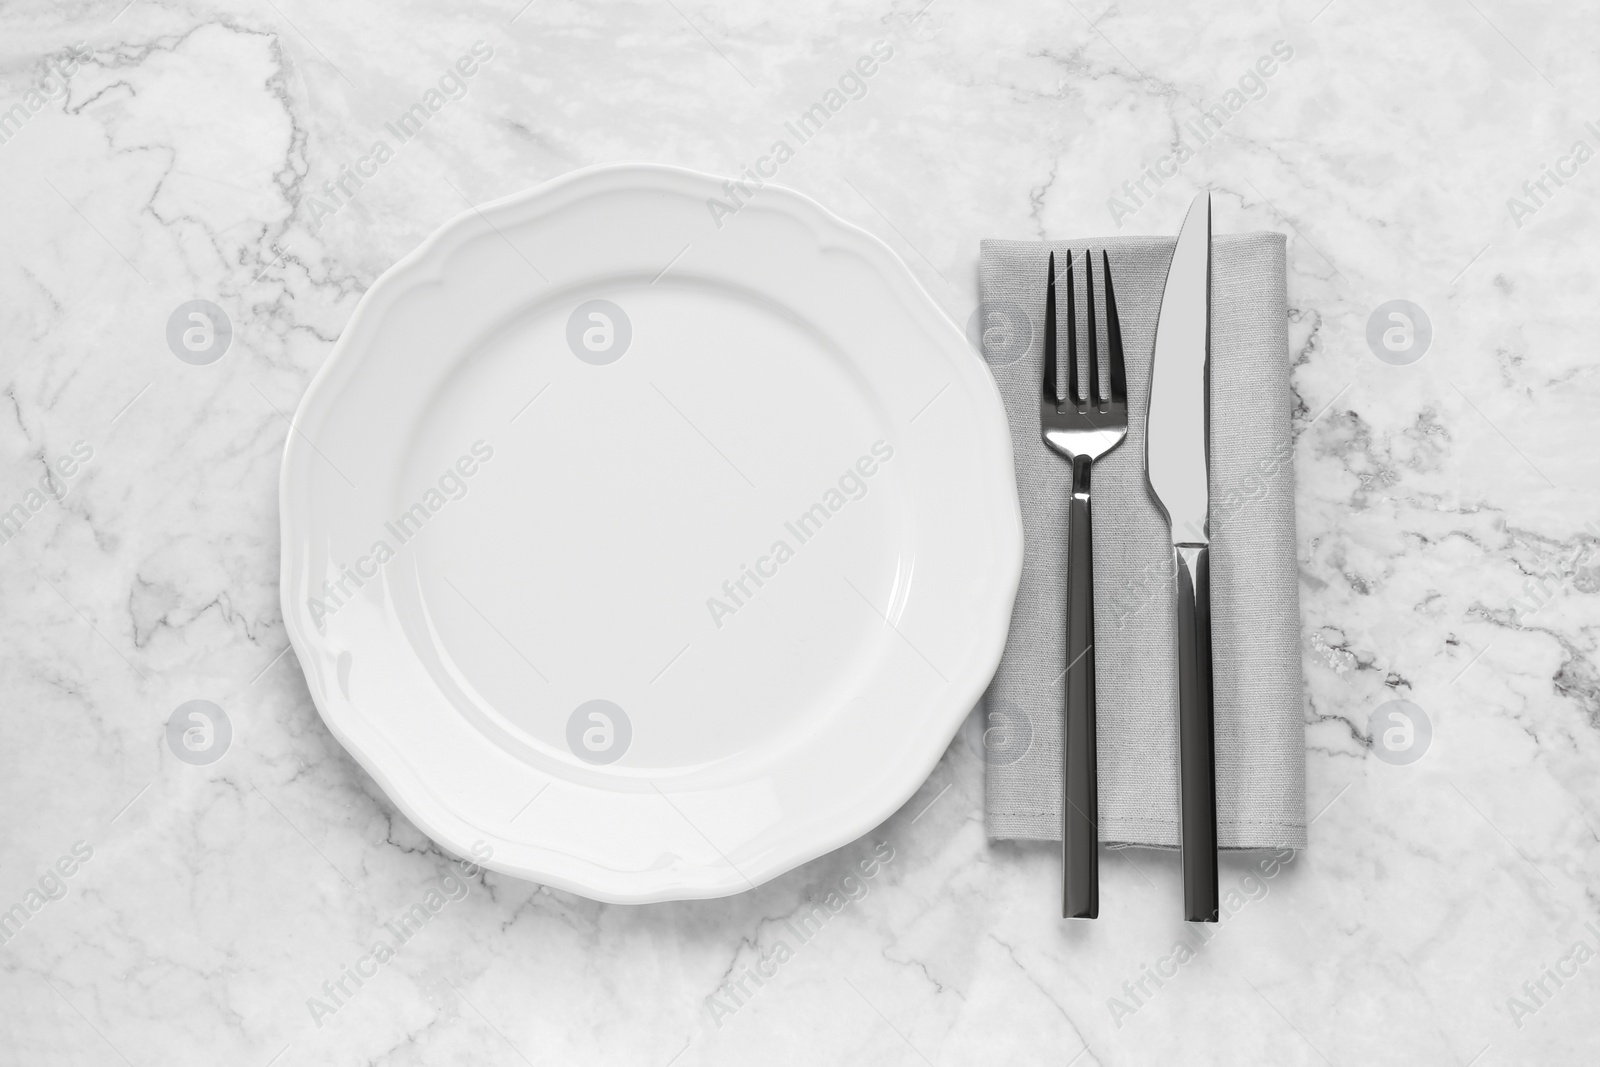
<point>1082,429</point>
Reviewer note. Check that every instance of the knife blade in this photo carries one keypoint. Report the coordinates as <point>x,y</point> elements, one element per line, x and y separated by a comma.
<point>1177,447</point>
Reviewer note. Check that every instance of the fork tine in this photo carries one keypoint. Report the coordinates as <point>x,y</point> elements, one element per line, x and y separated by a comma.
<point>1050,393</point>
<point>1093,324</point>
<point>1073,395</point>
<point>1119,374</point>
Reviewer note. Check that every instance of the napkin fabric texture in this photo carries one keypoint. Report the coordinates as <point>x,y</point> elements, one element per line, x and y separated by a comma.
<point>1255,610</point>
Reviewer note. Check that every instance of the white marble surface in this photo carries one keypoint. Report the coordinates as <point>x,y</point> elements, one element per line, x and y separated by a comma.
<point>218,899</point>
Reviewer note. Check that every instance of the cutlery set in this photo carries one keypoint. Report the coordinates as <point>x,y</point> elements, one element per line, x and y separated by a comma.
<point>1082,426</point>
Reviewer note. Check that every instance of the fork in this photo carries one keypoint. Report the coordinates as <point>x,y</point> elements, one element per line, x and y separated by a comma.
<point>1082,429</point>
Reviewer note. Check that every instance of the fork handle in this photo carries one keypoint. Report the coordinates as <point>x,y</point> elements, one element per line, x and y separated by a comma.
<point>1196,735</point>
<point>1080,809</point>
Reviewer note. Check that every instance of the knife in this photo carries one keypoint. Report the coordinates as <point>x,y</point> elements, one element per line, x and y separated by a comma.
<point>1177,446</point>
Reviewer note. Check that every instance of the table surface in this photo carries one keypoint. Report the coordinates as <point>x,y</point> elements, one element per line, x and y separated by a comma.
<point>1425,153</point>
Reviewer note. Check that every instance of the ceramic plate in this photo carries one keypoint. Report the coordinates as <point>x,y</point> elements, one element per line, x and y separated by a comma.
<point>649,540</point>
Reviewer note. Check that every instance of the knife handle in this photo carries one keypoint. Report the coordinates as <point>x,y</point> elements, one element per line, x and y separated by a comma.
<point>1197,783</point>
<point>1080,808</point>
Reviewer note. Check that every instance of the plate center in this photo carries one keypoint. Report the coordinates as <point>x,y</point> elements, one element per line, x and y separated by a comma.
<point>678,535</point>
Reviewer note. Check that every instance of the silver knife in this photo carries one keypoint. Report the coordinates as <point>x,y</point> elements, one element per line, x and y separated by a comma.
<point>1177,446</point>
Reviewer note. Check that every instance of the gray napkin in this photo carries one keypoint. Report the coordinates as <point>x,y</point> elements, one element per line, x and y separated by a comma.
<point>1260,732</point>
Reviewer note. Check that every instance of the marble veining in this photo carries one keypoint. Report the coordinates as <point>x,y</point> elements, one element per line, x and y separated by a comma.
<point>178,912</point>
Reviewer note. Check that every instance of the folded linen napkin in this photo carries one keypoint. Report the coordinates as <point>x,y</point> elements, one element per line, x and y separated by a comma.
<point>1260,733</point>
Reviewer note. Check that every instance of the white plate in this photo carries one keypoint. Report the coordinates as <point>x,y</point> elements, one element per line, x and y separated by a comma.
<point>577,509</point>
